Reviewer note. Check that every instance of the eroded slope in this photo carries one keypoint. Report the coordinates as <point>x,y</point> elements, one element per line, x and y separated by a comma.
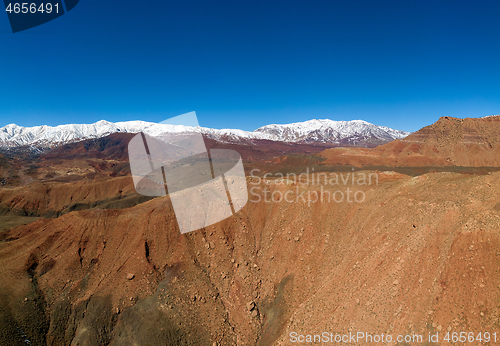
<point>417,255</point>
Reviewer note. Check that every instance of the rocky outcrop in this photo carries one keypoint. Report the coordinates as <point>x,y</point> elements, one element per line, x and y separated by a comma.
<point>448,142</point>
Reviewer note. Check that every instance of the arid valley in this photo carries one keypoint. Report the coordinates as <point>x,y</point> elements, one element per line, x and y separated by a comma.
<point>85,260</point>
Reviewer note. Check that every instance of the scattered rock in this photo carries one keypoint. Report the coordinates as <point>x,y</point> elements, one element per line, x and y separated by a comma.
<point>130,276</point>
<point>250,305</point>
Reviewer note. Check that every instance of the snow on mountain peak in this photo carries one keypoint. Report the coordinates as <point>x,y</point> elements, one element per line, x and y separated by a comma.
<point>354,132</point>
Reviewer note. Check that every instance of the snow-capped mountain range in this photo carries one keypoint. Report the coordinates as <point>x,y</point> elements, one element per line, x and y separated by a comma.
<point>355,132</point>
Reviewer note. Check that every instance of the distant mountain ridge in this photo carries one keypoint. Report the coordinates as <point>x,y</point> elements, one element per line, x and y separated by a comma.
<point>355,132</point>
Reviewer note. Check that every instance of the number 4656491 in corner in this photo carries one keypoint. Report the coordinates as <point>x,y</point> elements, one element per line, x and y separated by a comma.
<point>32,8</point>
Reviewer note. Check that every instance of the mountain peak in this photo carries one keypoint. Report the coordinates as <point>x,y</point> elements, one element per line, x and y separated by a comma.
<point>10,127</point>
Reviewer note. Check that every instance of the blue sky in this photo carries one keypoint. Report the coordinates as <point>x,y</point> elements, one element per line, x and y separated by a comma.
<point>244,64</point>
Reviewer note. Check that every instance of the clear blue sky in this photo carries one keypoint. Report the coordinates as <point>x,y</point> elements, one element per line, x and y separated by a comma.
<point>248,63</point>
